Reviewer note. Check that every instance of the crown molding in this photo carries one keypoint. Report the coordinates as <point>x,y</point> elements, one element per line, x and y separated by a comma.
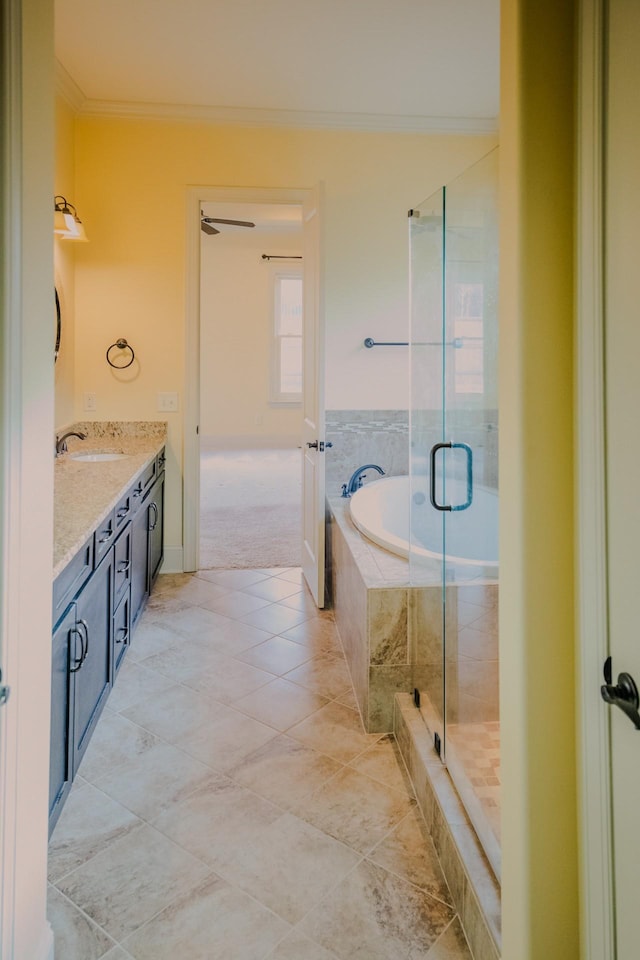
<point>258,117</point>
<point>68,89</point>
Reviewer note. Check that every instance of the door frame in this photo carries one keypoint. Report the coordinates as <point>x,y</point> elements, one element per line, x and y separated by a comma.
<point>594,787</point>
<point>195,196</point>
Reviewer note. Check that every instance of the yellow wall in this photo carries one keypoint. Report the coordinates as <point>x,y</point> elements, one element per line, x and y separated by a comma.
<point>64,260</point>
<point>539,839</point>
<point>131,179</point>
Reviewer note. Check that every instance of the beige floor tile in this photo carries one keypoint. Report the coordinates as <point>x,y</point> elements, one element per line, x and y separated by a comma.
<point>374,915</point>
<point>150,638</point>
<point>293,575</point>
<point>274,571</point>
<point>296,946</point>
<point>118,953</point>
<point>324,674</point>
<point>197,592</point>
<point>275,618</point>
<point>124,886</point>
<point>272,589</point>
<point>159,777</point>
<point>76,936</point>
<point>320,636</point>
<point>226,740</point>
<point>409,852</point>
<point>197,623</point>
<point>284,771</point>
<point>305,602</point>
<point>354,809</point>
<point>348,698</point>
<point>289,866</point>
<point>114,741</point>
<point>236,604</point>
<point>215,822</point>
<point>382,761</point>
<point>161,605</point>
<point>212,921</point>
<point>177,712</point>
<point>229,680</point>
<point>276,655</point>
<point>133,683</point>
<point>280,704</point>
<point>89,822</point>
<point>452,945</point>
<point>234,579</point>
<point>335,730</point>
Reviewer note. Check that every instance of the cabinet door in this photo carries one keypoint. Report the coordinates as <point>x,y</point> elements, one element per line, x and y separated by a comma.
<point>93,678</point>
<point>156,528</point>
<point>122,564</point>
<point>121,630</point>
<point>139,562</point>
<point>66,654</point>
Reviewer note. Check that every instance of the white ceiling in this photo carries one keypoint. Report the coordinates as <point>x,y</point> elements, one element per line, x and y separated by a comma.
<point>407,59</point>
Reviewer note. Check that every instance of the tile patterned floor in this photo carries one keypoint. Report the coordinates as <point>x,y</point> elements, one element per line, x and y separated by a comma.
<point>230,806</point>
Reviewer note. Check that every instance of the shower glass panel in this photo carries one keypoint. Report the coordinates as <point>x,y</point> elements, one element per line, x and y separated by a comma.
<point>455,467</point>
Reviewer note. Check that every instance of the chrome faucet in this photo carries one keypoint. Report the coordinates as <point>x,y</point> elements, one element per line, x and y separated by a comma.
<point>357,477</point>
<point>61,442</point>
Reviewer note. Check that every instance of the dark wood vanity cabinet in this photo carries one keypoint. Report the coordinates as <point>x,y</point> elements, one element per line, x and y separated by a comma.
<point>96,600</point>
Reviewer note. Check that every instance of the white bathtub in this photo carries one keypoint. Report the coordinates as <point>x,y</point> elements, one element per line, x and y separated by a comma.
<point>380,510</point>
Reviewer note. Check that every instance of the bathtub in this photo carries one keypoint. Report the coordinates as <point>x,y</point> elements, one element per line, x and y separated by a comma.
<point>380,510</point>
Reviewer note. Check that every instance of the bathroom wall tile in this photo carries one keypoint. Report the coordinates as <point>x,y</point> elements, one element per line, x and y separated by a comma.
<point>476,643</point>
<point>365,436</point>
<point>284,771</point>
<point>387,626</point>
<point>212,920</point>
<point>480,939</point>
<point>125,885</point>
<point>377,915</point>
<point>350,607</point>
<point>384,683</point>
<point>76,936</point>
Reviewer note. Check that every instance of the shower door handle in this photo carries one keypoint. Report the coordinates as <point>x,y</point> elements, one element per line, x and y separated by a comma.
<point>451,446</point>
<point>624,694</point>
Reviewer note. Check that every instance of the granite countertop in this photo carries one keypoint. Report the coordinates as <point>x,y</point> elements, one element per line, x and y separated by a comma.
<point>84,493</point>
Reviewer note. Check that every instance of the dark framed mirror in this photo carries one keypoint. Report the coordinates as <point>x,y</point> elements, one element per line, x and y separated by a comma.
<point>58,322</point>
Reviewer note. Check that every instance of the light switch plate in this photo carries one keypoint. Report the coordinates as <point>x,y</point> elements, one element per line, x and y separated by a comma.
<point>167,402</point>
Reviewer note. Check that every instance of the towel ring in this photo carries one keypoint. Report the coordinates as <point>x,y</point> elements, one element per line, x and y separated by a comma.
<point>121,345</point>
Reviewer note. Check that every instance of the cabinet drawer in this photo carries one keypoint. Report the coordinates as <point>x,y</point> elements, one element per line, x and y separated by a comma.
<point>122,565</point>
<point>160,461</point>
<point>104,536</point>
<point>68,583</point>
<point>143,483</point>
<point>121,630</point>
<point>124,509</point>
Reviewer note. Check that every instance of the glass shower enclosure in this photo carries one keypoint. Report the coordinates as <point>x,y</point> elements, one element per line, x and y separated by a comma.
<point>454,485</point>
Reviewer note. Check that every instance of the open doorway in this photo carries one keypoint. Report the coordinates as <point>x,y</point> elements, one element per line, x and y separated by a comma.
<point>250,385</point>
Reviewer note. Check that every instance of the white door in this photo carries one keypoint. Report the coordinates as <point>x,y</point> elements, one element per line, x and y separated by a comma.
<point>313,496</point>
<point>622,375</point>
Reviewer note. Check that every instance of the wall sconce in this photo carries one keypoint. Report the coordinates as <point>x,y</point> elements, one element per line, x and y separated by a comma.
<point>67,224</point>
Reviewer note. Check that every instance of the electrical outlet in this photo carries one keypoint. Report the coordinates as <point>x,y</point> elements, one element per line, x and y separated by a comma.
<point>90,401</point>
<point>168,402</point>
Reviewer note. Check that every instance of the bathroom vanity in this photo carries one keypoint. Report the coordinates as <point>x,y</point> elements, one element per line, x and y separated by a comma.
<point>108,548</point>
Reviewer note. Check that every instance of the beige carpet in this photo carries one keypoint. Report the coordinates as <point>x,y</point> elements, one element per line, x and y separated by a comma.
<point>250,508</point>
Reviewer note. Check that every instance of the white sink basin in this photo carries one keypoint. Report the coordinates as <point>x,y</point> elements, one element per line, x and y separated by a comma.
<point>97,457</point>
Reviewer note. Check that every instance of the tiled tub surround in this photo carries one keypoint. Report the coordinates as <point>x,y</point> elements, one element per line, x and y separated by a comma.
<point>474,889</point>
<point>365,436</point>
<point>376,613</point>
<point>84,493</point>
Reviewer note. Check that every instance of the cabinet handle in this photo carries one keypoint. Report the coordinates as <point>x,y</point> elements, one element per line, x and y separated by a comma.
<point>125,566</point>
<point>77,661</point>
<point>157,514</point>
<point>109,534</point>
<point>138,490</point>
<point>86,633</point>
<point>121,514</point>
<point>125,635</point>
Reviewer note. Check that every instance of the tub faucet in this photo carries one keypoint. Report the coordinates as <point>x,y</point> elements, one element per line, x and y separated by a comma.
<point>61,442</point>
<point>357,477</point>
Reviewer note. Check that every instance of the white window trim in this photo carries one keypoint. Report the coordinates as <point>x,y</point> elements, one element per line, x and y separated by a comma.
<point>276,397</point>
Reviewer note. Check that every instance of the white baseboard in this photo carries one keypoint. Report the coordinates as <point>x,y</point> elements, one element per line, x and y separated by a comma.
<point>173,560</point>
<point>47,948</point>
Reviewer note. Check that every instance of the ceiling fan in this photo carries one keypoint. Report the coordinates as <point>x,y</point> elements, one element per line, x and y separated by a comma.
<point>206,223</point>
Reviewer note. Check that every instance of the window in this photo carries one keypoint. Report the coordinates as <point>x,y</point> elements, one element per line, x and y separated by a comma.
<point>286,380</point>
